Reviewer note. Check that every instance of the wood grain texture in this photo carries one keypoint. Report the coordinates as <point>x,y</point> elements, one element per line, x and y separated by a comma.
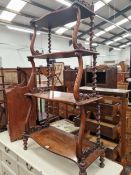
<point>62,143</point>
<point>65,97</point>
<point>17,105</point>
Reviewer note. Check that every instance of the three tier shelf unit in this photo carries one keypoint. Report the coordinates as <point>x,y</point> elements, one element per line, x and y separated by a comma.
<point>74,147</point>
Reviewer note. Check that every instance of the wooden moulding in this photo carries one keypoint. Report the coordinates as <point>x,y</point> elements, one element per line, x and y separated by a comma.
<point>64,144</point>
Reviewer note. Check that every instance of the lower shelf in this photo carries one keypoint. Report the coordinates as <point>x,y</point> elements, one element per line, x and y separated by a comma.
<point>111,147</point>
<point>63,144</point>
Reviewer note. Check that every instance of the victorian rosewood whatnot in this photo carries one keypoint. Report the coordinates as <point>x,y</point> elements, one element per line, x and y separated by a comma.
<point>74,147</point>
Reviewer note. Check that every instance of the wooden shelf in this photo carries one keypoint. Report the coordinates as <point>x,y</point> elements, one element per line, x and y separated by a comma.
<point>66,54</point>
<point>107,91</point>
<point>62,143</point>
<point>62,97</point>
<point>63,16</point>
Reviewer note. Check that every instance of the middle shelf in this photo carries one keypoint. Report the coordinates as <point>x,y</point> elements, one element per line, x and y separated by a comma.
<point>65,97</point>
<point>67,54</point>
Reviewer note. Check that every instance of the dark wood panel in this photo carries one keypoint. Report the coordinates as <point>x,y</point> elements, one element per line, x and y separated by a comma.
<point>17,109</point>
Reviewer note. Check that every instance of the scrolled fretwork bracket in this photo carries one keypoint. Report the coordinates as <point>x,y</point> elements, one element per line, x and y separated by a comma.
<point>33,51</point>
<point>76,29</point>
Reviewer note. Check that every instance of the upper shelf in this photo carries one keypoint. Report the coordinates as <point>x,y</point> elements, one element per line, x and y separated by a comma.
<point>66,54</point>
<point>65,97</point>
<point>62,16</point>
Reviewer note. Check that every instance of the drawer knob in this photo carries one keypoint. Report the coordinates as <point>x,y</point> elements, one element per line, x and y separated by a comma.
<point>6,150</point>
<point>8,162</point>
<point>29,167</point>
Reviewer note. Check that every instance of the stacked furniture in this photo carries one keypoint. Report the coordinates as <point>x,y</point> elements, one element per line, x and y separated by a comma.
<point>113,126</point>
<point>74,147</point>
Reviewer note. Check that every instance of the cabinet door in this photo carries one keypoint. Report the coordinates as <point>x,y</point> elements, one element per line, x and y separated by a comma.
<point>11,163</point>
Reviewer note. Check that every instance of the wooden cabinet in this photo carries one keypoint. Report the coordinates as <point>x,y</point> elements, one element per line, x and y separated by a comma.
<point>113,117</point>
<point>106,76</point>
<point>128,135</point>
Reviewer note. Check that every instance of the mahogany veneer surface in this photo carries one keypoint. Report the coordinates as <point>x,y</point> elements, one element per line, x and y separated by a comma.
<point>62,97</point>
<point>66,54</point>
<point>63,16</point>
<point>17,109</point>
<point>62,143</point>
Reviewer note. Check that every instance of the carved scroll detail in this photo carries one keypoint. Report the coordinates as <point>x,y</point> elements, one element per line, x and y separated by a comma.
<point>33,51</point>
<point>79,56</point>
<point>75,31</point>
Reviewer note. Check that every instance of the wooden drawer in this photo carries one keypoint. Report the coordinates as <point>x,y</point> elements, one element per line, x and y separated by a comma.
<point>128,139</point>
<point>109,112</point>
<point>128,128</point>
<point>128,153</point>
<point>6,170</point>
<point>11,163</point>
<point>26,166</point>
<point>107,130</point>
<point>8,151</point>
